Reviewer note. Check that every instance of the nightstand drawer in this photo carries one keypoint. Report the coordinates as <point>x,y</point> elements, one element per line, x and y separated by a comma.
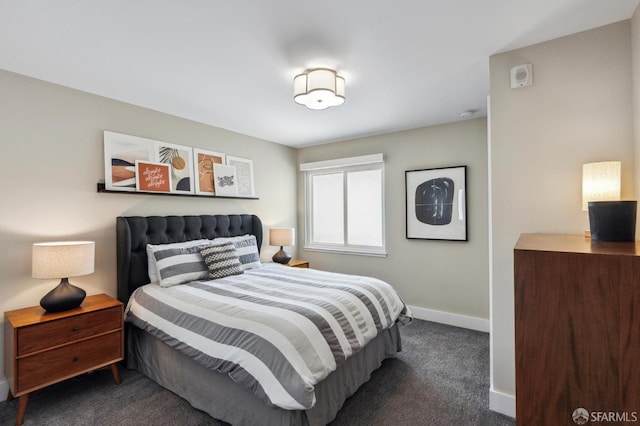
<point>54,333</point>
<point>67,361</point>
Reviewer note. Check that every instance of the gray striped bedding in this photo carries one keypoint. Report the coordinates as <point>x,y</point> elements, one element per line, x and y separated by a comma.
<point>277,330</point>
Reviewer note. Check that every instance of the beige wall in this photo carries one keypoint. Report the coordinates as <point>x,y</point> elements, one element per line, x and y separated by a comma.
<point>438,275</point>
<point>577,111</point>
<point>52,147</point>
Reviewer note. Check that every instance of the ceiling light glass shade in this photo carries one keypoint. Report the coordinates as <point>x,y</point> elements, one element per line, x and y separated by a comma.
<point>319,88</point>
<point>600,182</point>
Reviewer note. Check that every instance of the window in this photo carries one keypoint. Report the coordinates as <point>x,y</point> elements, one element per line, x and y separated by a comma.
<point>344,205</point>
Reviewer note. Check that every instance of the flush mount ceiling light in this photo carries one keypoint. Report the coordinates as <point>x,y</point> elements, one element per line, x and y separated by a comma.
<point>318,88</point>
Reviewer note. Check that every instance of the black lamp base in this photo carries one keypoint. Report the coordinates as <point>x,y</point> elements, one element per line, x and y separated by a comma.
<point>62,298</point>
<point>613,220</point>
<point>281,256</point>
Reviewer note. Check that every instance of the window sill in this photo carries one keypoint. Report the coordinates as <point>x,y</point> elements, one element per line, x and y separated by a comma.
<point>356,252</point>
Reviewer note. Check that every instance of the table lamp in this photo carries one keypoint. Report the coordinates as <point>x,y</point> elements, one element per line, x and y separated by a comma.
<point>63,260</point>
<point>609,218</point>
<point>281,237</point>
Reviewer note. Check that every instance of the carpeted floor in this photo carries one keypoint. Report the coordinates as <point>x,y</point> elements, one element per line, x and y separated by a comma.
<point>441,378</point>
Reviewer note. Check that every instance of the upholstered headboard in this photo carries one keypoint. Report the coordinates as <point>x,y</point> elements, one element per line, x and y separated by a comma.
<point>135,232</point>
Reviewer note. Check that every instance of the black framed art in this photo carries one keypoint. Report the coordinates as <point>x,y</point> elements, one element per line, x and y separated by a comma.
<point>436,203</point>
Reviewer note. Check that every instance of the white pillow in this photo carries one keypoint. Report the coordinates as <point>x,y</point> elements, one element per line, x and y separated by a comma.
<point>152,268</point>
<point>247,248</point>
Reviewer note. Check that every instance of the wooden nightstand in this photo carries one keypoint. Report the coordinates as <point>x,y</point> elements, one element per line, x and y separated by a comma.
<point>42,348</point>
<point>298,263</point>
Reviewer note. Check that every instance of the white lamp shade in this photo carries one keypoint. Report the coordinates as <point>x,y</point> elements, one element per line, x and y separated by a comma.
<point>319,88</point>
<point>63,259</point>
<point>282,236</point>
<point>600,182</point>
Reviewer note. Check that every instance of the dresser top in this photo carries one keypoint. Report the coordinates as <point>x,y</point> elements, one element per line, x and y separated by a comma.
<point>575,244</point>
<point>36,315</point>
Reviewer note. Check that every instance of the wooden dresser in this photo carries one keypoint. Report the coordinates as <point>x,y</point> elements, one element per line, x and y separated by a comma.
<point>43,348</point>
<point>577,329</point>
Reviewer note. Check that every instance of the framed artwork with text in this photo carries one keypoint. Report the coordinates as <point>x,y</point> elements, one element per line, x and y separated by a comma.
<point>153,177</point>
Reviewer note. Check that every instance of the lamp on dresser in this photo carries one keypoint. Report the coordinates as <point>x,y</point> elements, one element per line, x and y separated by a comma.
<point>281,237</point>
<point>62,260</point>
<point>610,219</point>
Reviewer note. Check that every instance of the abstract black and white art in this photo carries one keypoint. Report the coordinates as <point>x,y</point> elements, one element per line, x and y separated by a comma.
<point>436,207</point>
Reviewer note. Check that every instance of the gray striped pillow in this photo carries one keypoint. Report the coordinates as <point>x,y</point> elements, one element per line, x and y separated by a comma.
<point>151,260</point>
<point>222,260</point>
<point>179,266</point>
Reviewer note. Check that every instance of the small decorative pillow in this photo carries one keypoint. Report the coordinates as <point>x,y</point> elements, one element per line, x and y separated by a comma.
<point>222,260</point>
<point>247,247</point>
<point>179,265</point>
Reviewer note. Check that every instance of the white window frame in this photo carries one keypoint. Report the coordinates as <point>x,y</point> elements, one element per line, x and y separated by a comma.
<point>344,165</point>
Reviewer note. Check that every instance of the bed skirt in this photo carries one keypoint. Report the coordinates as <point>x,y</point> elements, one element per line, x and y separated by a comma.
<point>222,398</point>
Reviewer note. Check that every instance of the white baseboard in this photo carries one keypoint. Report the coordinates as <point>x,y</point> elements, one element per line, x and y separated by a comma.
<point>502,403</point>
<point>456,320</point>
<point>4,390</point>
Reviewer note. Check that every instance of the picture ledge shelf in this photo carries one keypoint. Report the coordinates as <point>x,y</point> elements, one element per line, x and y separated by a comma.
<point>102,188</point>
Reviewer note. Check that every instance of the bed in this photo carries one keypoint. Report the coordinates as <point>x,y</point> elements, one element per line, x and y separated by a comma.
<point>220,387</point>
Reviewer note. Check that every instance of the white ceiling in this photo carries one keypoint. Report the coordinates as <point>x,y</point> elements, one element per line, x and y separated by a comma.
<point>231,63</point>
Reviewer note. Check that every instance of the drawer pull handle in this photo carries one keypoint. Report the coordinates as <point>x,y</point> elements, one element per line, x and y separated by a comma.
<point>75,329</point>
<point>75,358</point>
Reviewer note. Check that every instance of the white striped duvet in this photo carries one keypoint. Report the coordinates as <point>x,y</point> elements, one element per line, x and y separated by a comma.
<point>277,330</point>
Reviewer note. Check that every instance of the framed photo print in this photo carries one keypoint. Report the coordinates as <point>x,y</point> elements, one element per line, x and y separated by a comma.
<point>203,170</point>
<point>153,177</point>
<point>436,207</point>
<point>180,160</point>
<point>244,174</point>
<point>225,181</point>
<point>120,155</point>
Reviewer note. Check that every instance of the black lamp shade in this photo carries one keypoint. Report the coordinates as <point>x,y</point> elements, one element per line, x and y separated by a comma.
<point>613,220</point>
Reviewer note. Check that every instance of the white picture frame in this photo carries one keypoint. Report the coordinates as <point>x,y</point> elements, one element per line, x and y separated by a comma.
<point>203,170</point>
<point>180,160</point>
<point>225,180</point>
<point>120,154</point>
<point>244,174</point>
<point>436,203</point>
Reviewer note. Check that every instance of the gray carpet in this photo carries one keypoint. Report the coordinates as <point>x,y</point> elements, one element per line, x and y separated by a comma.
<point>440,378</point>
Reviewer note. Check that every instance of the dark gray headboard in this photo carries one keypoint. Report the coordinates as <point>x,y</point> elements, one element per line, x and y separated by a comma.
<point>135,232</point>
